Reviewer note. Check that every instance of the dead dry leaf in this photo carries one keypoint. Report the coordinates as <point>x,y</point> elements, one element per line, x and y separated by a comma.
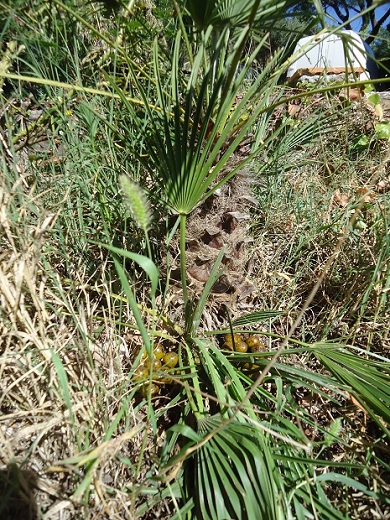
<point>201,273</point>
<point>341,198</point>
<point>366,195</point>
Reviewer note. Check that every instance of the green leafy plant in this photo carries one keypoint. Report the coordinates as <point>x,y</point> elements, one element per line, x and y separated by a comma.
<point>193,129</point>
<point>382,131</point>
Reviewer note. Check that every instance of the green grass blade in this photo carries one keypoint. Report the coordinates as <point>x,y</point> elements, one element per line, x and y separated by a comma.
<point>63,382</point>
<point>134,306</point>
<point>143,261</point>
<point>215,273</point>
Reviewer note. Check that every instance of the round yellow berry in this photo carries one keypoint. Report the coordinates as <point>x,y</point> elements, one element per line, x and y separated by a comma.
<point>147,388</point>
<point>154,363</point>
<point>158,351</point>
<point>231,341</point>
<point>170,359</point>
<point>255,344</point>
<point>140,374</point>
<point>240,346</point>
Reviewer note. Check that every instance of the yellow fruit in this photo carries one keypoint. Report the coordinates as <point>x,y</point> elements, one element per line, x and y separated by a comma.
<point>240,346</point>
<point>153,389</point>
<point>170,359</point>
<point>144,355</point>
<point>165,380</point>
<point>155,363</point>
<point>158,351</point>
<point>255,344</point>
<point>231,341</point>
<point>140,374</point>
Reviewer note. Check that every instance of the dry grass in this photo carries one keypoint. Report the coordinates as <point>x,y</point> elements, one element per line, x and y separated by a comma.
<point>62,381</point>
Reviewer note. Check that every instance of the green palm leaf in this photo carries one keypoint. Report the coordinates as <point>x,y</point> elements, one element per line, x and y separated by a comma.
<point>368,378</point>
<point>243,467</point>
<point>236,13</point>
<point>192,136</point>
<point>234,474</point>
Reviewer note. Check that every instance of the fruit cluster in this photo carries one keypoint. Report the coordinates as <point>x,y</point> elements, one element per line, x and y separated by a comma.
<point>237,343</point>
<point>161,361</point>
<point>251,344</point>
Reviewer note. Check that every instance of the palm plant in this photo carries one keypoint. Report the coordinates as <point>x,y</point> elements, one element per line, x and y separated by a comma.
<point>231,467</point>
<point>239,449</point>
<point>198,122</point>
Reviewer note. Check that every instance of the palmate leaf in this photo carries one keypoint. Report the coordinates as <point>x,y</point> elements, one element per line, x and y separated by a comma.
<point>236,13</point>
<point>367,377</point>
<point>196,129</point>
<point>254,467</point>
<point>198,121</point>
<point>233,474</point>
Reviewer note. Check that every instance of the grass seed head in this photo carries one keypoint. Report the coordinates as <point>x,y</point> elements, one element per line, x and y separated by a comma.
<point>136,201</point>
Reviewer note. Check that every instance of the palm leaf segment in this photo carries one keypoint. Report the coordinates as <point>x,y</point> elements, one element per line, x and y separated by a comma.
<point>194,134</point>
<point>235,13</point>
<point>199,121</point>
<point>233,474</point>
